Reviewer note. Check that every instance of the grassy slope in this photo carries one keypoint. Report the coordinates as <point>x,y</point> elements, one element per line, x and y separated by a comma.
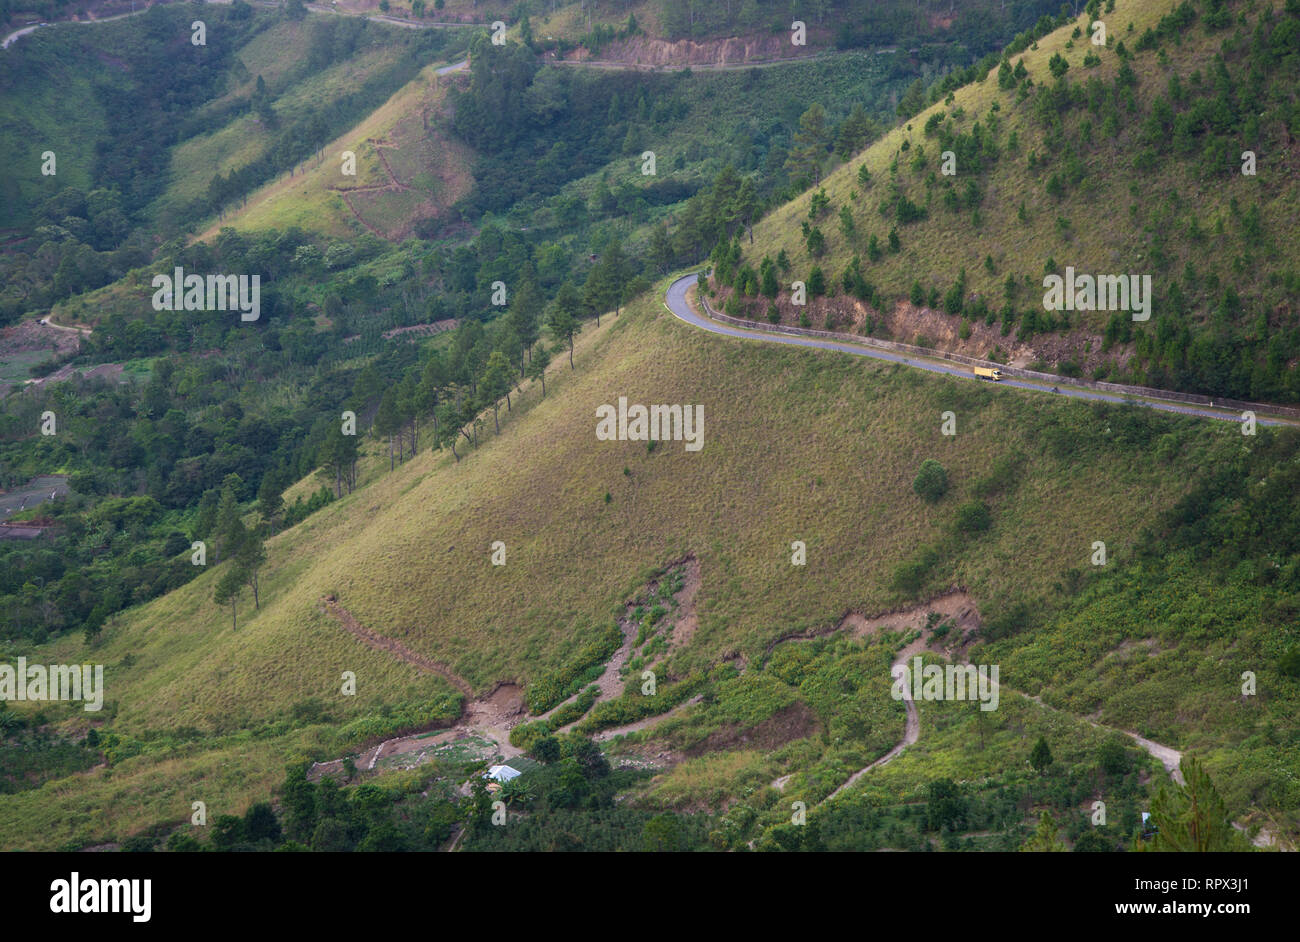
<point>245,139</point>
<point>727,111</point>
<point>1102,236</point>
<point>434,165</point>
<point>799,445</point>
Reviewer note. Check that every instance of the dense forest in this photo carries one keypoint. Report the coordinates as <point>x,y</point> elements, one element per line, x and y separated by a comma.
<point>90,234</point>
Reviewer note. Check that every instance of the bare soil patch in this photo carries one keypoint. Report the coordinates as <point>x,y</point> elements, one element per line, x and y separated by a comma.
<point>32,335</point>
<point>687,621</point>
<point>956,606</point>
<point>645,52</point>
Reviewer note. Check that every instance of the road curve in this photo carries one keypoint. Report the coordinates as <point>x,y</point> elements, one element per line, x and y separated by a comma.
<point>675,301</point>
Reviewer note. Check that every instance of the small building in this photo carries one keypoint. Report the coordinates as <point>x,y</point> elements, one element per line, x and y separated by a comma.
<point>502,773</point>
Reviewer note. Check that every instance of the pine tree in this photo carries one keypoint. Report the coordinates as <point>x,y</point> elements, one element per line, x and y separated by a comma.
<point>228,588</point>
<point>537,364</point>
<point>1006,78</point>
<point>1044,839</point>
<point>250,556</point>
<point>561,320</point>
<point>913,100</point>
<point>495,383</point>
<point>386,422</point>
<point>228,529</point>
<point>1041,755</point>
<point>525,313</point>
<point>748,206</point>
<point>270,499</point>
<point>595,292</point>
<point>808,150</point>
<point>1192,817</point>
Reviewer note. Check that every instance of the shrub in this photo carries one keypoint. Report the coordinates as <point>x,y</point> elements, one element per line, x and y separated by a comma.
<point>1015,619</point>
<point>1113,758</point>
<point>527,735</point>
<point>910,576</point>
<point>931,481</point>
<point>553,688</point>
<point>973,517</point>
<point>546,750</point>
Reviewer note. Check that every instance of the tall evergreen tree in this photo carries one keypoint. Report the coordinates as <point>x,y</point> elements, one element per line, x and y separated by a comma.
<point>808,150</point>
<point>496,383</point>
<point>1192,818</point>
<point>561,319</point>
<point>1040,757</point>
<point>270,499</point>
<point>387,422</point>
<point>228,529</point>
<point>249,559</point>
<point>538,361</point>
<point>1044,839</point>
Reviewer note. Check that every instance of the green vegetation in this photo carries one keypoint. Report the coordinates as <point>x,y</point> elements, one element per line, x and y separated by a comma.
<point>535,254</point>
<point>931,481</point>
<point>1081,145</point>
<point>136,145</point>
<point>529,621</point>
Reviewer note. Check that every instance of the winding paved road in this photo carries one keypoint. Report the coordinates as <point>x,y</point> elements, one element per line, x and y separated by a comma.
<point>675,301</point>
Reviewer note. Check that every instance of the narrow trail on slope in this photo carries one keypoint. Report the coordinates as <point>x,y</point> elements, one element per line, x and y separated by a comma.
<point>960,607</point>
<point>490,716</point>
<point>956,606</point>
<point>911,733</point>
<point>1168,756</point>
<point>396,648</point>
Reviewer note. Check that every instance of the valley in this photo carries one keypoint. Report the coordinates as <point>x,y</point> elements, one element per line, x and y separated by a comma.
<point>580,430</point>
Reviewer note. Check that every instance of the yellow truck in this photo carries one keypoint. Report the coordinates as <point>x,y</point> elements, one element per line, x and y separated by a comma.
<point>985,373</point>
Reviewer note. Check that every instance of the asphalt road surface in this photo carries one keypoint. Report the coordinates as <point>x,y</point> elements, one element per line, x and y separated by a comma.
<point>675,301</point>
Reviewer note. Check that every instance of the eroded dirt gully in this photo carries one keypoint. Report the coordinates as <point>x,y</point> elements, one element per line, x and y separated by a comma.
<point>495,714</point>
<point>680,631</point>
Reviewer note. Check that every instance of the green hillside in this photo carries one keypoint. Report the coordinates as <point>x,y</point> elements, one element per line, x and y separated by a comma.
<point>821,448</point>
<point>423,555</point>
<point>155,137</point>
<point>1123,159</point>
